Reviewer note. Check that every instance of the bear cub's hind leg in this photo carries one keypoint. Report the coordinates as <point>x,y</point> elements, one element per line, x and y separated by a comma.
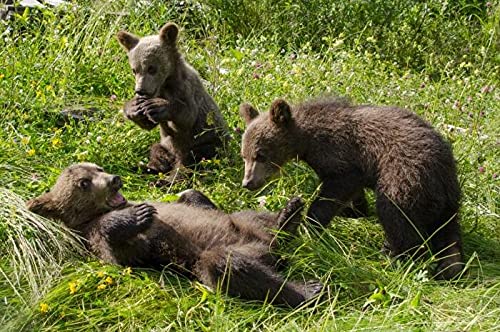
<point>289,217</point>
<point>241,275</point>
<point>196,198</point>
<point>160,160</point>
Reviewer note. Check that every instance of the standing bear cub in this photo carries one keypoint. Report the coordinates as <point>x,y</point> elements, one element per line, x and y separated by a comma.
<point>390,150</point>
<point>191,236</point>
<point>169,93</point>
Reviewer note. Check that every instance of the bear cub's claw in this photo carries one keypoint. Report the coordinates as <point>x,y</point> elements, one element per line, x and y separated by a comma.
<point>312,289</point>
<point>155,109</point>
<point>294,204</point>
<point>290,217</point>
<point>134,112</point>
<point>144,213</point>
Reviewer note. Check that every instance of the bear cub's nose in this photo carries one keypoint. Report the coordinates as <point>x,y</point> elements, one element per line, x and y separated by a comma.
<point>116,182</point>
<point>248,184</point>
<point>141,93</point>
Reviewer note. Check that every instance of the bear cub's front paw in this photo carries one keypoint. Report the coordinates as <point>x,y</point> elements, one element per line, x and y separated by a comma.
<point>144,214</point>
<point>156,109</point>
<point>135,112</point>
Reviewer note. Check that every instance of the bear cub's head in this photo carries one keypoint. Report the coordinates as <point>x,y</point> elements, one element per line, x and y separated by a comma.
<point>82,192</point>
<point>152,58</point>
<point>267,142</point>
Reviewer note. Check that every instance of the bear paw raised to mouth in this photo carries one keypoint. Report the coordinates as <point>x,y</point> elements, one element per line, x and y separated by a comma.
<point>117,200</point>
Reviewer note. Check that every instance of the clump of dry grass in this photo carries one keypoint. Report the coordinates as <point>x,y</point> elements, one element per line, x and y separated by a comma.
<point>34,250</point>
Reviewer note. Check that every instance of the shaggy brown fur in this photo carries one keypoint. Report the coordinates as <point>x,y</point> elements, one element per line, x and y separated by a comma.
<point>169,92</point>
<point>193,237</point>
<point>388,149</point>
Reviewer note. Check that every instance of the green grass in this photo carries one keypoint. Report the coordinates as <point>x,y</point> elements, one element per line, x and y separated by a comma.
<point>440,61</point>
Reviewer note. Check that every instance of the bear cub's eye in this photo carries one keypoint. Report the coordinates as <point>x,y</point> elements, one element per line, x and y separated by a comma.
<point>84,184</point>
<point>260,157</point>
<point>151,70</point>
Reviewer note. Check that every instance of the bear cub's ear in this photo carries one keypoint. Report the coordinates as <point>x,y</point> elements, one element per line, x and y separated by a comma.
<point>280,112</point>
<point>127,40</point>
<point>248,113</point>
<point>43,205</point>
<point>168,33</point>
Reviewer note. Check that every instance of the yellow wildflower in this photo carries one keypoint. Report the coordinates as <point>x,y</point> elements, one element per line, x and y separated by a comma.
<point>2,76</point>
<point>25,140</point>
<point>109,280</point>
<point>31,152</point>
<point>44,308</point>
<point>72,287</point>
<point>56,141</point>
<point>101,286</point>
<point>100,274</point>
<point>127,271</point>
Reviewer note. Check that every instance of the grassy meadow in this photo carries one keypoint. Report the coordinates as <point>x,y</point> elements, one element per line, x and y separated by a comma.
<point>440,59</point>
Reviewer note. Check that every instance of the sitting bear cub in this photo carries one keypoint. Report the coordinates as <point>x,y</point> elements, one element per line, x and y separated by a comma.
<point>191,235</point>
<point>390,150</point>
<point>169,93</point>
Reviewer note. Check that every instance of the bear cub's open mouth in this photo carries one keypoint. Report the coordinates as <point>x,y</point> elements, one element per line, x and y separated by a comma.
<point>116,200</point>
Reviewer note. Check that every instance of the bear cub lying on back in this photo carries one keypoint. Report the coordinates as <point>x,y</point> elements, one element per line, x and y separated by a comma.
<point>191,235</point>
<point>390,150</point>
<point>169,93</point>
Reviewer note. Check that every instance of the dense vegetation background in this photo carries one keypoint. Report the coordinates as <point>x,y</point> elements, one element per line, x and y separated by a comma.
<point>439,58</point>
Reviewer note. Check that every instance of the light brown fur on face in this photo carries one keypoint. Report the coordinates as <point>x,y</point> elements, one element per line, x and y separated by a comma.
<point>261,161</point>
<point>191,236</point>
<point>151,58</point>
<point>387,149</point>
<point>81,192</point>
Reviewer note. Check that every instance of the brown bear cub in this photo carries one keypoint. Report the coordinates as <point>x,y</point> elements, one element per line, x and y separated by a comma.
<point>191,236</point>
<point>390,150</point>
<point>170,93</point>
